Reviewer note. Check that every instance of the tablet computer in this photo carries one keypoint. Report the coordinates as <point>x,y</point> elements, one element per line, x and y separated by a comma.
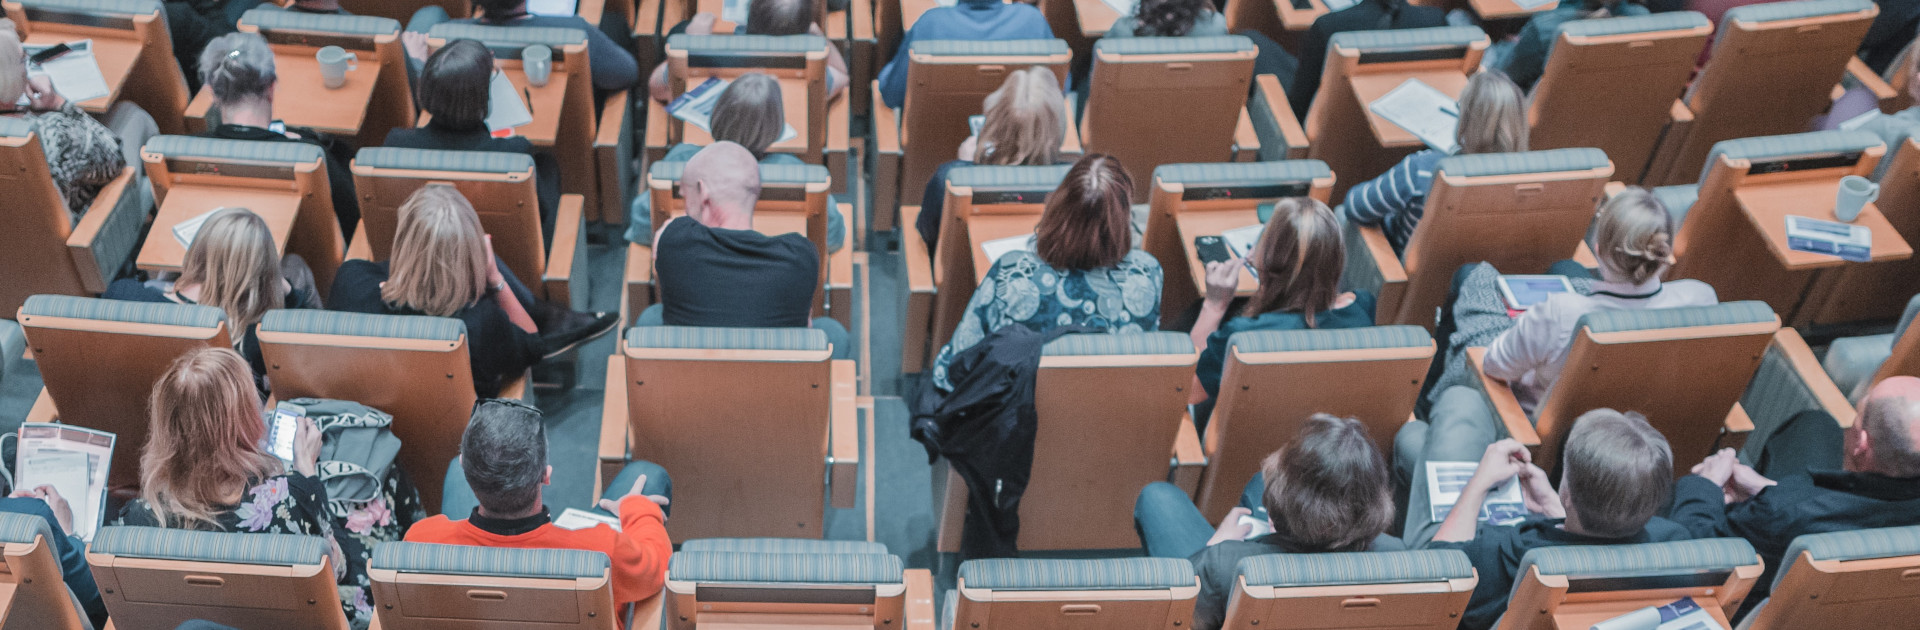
<point>1522,292</point>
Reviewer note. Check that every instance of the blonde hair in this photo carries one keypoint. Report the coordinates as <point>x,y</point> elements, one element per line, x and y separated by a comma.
<point>13,64</point>
<point>203,439</point>
<point>439,261</point>
<point>1025,121</point>
<point>233,261</point>
<point>1634,235</point>
<point>1493,115</point>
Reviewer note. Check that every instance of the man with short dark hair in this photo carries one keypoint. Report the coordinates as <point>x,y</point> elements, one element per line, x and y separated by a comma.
<point>503,465</point>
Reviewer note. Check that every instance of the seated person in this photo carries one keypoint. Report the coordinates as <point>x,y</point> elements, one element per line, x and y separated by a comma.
<point>232,265</point>
<point>1813,477</point>
<point>1326,491</point>
<point>1082,271</point>
<point>749,113</point>
<point>453,88</point>
<point>503,465</point>
<point>970,20</point>
<point>1298,262</point>
<point>1025,120</point>
<point>1891,34</point>
<point>71,552</point>
<point>1893,126</point>
<point>443,265</point>
<point>613,66</point>
<point>1367,15</point>
<point>204,468</point>
<point>1527,58</point>
<point>1617,473</point>
<point>318,7</point>
<point>713,269</point>
<point>82,154</point>
<point>1493,119</point>
<point>238,69</point>
<point>1170,18</point>
<point>764,17</point>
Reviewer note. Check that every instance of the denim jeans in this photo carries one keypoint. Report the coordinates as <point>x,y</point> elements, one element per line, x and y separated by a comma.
<point>1171,526</point>
<point>836,333</point>
<point>457,500</point>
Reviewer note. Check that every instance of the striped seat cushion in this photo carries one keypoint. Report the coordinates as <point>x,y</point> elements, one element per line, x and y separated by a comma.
<point>770,174</point>
<point>1724,314</point>
<point>1115,344</point>
<point>1499,164</point>
<point>23,528</point>
<point>124,7</point>
<point>1330,339</point>
<point>155,313</point>
<point>1606,27</point>
<point>784,545</point>
<point>1114,574</point>
<point>1173,45</point>
<point>432,160</point>
<point>1678,200</point>
<point>224,149</point>
<point>746,45</point>
<point>1862,544</point>
<point>511,36</point>
<point>1409,38</point>
<point>315,322</point>
<point>705,338</point>
<point>489,561</point>
<point>1901,130</point>
<point>980,48</point>
<point>273,19</point>
<point>1644,560</point>
<point>1288,570</point>
<point>1810,144</point>
<point>1781,11</point>
<point>1023,177</point>
<point>197,546</point>
<point>784,568</point>
<point>1245,173</point>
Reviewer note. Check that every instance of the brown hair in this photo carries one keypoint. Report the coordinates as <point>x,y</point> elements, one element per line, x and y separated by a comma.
<point>1088,221</point>
<point>1493,115</point>
<point>439,263</point>
<point>454,84</point>
<point>1617,472</point>
<point>234,262</point>
<point>203,443</point>
<point>1025,121</point>
<point>1633,235</point>
<point>749,112</point>
<point>780,17</point>
<point>1299,260</point>
<point>1328,489</point>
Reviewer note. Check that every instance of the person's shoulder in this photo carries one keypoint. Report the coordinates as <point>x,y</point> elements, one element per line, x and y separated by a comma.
<point>1693,292</point>
<point>1659,529</point>
<point>404,138</point>
<point>432,529</point>
<point>131,290</point>
<point>1139,259</point>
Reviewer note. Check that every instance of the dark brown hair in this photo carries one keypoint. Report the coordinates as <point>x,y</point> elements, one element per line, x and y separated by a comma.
<point>750,112</point>
<point>779,17</point>
<point>1328,489</point>
<point>453,84</point>
<point>1298,260</point>
<point>1088,222</point>
<point>1168,18</point>
<point>1618,470</point>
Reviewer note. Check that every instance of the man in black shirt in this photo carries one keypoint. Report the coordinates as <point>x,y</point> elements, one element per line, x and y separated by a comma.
<point>713,269</point>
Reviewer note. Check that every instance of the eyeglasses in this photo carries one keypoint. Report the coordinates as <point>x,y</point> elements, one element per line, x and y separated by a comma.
<point>506,402</point>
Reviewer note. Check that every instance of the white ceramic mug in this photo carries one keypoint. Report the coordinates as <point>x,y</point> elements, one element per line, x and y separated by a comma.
<point>537,62</point>
<point>1855,193</point>
<point>334,64</point>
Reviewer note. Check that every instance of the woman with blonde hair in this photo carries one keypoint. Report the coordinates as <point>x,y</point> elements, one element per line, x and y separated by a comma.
<point>443,266</point>
<point>1024,124</point>
<point>82,154</point>
<point>1493,119</point>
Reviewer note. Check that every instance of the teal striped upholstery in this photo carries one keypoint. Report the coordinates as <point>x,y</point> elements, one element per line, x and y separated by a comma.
<point>747,44</point>
<point>21,528</point>
<point>978,48</point>
<point>1779,11</point>
<point>1810,144</point>
<point>197,546</point>
<point>1726,313</point>
<point>1115,344</point>
<point>1409,38</point>
<point>1859,544</point>
<point>1243,172</point>
<point>1114,574</point>
<point>521,36</point>
<point>155,313</point>
<point>1644,560</point>
<point>432,160</point>
<point>1498,164</point>
<point>1173,45</point>
<point>784,568</point>
<point>1020,177</point>
<point>784,545</point>
<point>316,322</point>
<point>1774,395</point>
<point>704,338</point>
<point>223,149</point>
<point>489,561</point>
<point>11,127</point>
<point>1289,570</point>
<point>1675,21</point>
<point>770,174</point>
<point>1266,122</point>
<point>1370,337</point>
<point>1678,200</point>
<point>125,7</point>
<point>1900,131</point>
<point>119,236</point>
<point>276,19</point>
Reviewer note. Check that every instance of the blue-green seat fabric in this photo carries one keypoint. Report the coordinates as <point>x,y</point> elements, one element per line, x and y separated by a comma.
<point>1809,144</point>
<point>1009,177</point>
<point>1850,361</point>
<point>770,174</point>
<point>408,557</point>
<point>1500,164</point>
<point>1408,38</point>
<point>316,322</point>
<point>434,160</point>
<point>1860,544</point>
<point>1267,122</point>
<point>1173,45</point>
<point>713,338</point>
<point>1311,340</point>
<point>784,568</point>
<point>272,19</point>
<point>1654,23</point>
<point>123,7</point>
<point>1290,570</point>
<point>1643,560</point>
<point>154,313</point>
<point>1722,314</point>
<point>1111,344</point>
<point>746,45</point>
<point>1781,11</point>
<point>161,543</point>
<point>784,545</point>
<point>1114,574</point>
<point>21,528</point>
<point>985,48</point>
<point>290,153</point>
<point>13,344</point>
<point>1775,395</point>
<point>1678,200</point>
<point>1243,173</point>
<point>521,36</point>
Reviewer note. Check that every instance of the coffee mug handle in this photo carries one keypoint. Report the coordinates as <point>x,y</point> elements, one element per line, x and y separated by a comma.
<point>353,61</point>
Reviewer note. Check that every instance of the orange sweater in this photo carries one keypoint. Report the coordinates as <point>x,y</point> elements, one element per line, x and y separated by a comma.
<point>639,551</point>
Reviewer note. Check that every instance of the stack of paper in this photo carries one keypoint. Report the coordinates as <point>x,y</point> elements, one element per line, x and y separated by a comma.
<point>998,247</point>
<point>506,109</point>
<point>1445,480</point>
<point>76,75</point>
<point>185,231</point>
<point>552,8</point>
<point>576,519</point>
<point>1423,111</point>
<point>74,460</point>
<point>1848,241</point>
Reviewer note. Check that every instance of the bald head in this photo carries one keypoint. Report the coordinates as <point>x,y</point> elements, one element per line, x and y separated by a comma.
<point>721,183</point>
<point>1886,437</point>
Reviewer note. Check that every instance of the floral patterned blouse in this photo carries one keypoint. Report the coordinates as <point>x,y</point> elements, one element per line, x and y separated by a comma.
<point>82,154</point>
<point>297,504</point>
<point>1023,289</point>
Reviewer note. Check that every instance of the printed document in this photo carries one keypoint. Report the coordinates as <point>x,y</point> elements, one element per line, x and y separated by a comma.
<point>74,460</point>
<point>76,74</point>
<point>696,107</point>
<point>1423,111</point>
<point>1445,480</point>
<point>577,519</point>
<point>506,109</point>
<point>998,247</point>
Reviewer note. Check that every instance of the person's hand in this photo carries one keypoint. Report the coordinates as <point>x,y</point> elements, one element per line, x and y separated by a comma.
<point>1718,467</point>
<point>1537,492</point>
<point>638,490</point>
<point>1223,280</point>
<point>415,44</point>
<point>967,148</point>
<point>701,24</point>
<point>41,96</point>
<point>1746,483</point>
<point>494,277</point>
<point>62,512</point>
<point>1231,528</point>
<point>306,448</point>
<point>1504,459</point>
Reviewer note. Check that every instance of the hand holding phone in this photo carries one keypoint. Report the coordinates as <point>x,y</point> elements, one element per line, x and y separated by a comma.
<point>286,425</point>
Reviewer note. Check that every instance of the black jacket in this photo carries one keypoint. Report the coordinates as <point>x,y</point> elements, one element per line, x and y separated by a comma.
<point>1369,15</point>
<point>1815,503</point>
<point>985,428</point>
<point>1892,30</point>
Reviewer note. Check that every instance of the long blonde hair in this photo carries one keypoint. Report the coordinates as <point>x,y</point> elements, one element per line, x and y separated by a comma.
<point>439,261</point>
<point>1493,115</point>
<point>233,261</point>
<point>1025,121</point>
<point>13,64</point>
<point>203,438</point>
<point>1634,235</point>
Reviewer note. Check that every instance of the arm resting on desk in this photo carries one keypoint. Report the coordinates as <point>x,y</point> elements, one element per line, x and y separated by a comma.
<point>565,279</point>
<point>1281,137</point>
<point>1501,400</point>
<point>108,233</point>
<point>843,445</point>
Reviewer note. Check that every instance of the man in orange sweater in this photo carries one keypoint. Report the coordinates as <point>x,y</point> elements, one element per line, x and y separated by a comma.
<point>503,459</point>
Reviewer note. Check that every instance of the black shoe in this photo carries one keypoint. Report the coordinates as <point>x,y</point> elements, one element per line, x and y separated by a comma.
<point>573,329</point>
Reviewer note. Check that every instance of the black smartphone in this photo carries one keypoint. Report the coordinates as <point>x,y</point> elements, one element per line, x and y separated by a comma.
<point>49,54</point>
<point>1211,249</point>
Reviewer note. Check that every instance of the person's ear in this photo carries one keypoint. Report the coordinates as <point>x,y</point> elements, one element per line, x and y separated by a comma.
<point>546,478</point>
<point>1859,447</point>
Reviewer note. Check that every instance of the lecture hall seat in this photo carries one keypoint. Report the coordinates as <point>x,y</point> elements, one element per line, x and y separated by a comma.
<point>43,250</point>
<point>1849,579</point>
<point>1610,83</point>
<point>1415,590</point>
<point>796,586</point>
<point>1118,593</point>
<point>419,586</point>
<point>1577,586</point>
<point>156,578</point>
<point>373,40</point>
<point>35,595</point>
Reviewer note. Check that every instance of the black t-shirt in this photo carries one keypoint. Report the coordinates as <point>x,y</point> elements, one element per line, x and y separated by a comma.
<point>1496,552</point>
<point>498,350</point>
<point>735,278</point>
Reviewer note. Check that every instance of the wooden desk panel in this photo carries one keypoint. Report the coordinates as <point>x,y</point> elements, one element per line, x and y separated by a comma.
<point>114,55</point>
<point>544,102</point>
<point>163,252</point>
<point>987,227</point>
<point>1370,87</point>
<point>1767,206</point>
<point>301,99</point>
<point>1096,18</point>
<point>1211,223</point>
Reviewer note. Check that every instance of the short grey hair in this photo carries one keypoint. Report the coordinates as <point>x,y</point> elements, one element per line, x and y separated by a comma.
<point>1619,470</point>
<point>504,455</point>
<point>237,67</point>
<point>1888,421</point>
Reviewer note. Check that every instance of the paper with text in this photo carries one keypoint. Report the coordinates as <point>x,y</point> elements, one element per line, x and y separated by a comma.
<point>1445,480</point>
<point>577,519</point>
<point>1423,111</point>
<point>506,109</point>
<point>74,461</point>
<point>76,74</point>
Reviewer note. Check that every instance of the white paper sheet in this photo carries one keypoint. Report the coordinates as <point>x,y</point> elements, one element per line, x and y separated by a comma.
<point>696,107</point>
<point>577,519</point>
<point>74,461</point>
<point>1122,7</point>
<point>998,247</point>
<point>1682,614</point>
<point>1337,5</point>
<point>506,109</point>
<point>76,75</point>
<point>1242,240</point>
<point>1423,111</point>
<point>1848,241</point>
<point>185,231</point>
<point>552,8</point>
<point>1445,480</point>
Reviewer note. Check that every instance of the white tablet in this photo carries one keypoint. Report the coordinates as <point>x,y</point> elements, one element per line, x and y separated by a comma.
<point>1522,292</point>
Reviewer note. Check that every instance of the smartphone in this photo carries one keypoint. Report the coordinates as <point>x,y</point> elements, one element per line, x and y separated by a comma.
<point>1211,249</point>
<point>49,54</point>
<point>286,423</point>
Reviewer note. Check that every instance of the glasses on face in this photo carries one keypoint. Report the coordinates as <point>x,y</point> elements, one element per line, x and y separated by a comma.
<point>506,402</point>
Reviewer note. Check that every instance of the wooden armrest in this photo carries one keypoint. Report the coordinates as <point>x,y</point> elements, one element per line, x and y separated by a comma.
<point>613,411</point>
<point>1800,357</point>
<point>1584,255</point>
<point>646,613</point>
<point>657,121</point>
<point>1070,144</point>
<point>843,450</point>
<point>920,595</point>
<point>1738,421</point>
<point>1501,400</point>
<point>637,280</point>
<point>1867,78</point>
<point>1381,251</point>
<point>1274,98</point>
<point>43,409</point>
<point>1679,112</point>
<point>613,158</point>
<point>1245,140</point>
<point>1371,265</point>
<point>1189,458</point>
<point>838,154</point>
<point>887,161</point>
<point>591,10</point>
<point>104,217</point>
<point>569,227</point>
<point>613,116</point>
<point>918,260</point>
<point>360,248</point>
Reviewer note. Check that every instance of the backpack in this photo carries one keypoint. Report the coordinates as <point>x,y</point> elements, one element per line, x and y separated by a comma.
<point>357,448</point>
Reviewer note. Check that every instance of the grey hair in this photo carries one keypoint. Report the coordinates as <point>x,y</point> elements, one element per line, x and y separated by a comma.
<point>1888,421</point>
<point>1618,472</point>
<point>237,67</point>
<point>504,456</point>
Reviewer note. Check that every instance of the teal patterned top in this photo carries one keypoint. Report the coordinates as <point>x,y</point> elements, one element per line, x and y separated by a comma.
<point>1023,289</point>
